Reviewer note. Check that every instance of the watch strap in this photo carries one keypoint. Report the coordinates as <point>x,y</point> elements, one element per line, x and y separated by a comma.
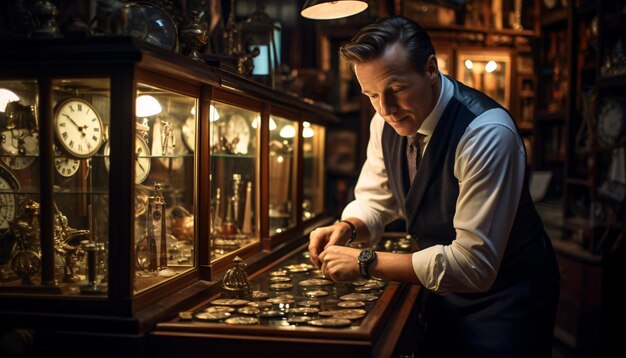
<point>353,227</point>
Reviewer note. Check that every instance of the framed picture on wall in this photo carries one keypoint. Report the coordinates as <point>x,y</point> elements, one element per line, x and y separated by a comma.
<point>487,70</point>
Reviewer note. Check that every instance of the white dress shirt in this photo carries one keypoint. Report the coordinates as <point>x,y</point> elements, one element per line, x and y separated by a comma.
<point>489,165</point>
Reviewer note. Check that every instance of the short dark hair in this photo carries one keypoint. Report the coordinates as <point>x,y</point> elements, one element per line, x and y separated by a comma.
<point>372,41</point>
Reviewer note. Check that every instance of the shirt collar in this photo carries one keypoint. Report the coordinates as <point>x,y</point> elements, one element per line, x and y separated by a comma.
<point>430,123</point>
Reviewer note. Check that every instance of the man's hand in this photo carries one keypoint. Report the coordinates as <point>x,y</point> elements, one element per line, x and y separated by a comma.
<point>340,263</point>
<point>323,237</point>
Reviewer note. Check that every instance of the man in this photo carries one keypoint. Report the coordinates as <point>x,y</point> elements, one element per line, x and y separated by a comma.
<point>489,279</point>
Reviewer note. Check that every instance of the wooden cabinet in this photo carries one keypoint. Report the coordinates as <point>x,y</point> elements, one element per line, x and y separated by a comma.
<point>580,79</point>
<point>580,75</point>
<point>103,246</point>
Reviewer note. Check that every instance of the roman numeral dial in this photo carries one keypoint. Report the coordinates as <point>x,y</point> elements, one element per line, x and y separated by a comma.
<point>78,128</point>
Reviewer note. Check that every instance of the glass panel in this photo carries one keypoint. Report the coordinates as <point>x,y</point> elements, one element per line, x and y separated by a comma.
<point>165,187</point>
<point>81,184</point>
<point>20,245</point>
<point>234,159</point>
<point>313,186</point>
<point>281,171</point>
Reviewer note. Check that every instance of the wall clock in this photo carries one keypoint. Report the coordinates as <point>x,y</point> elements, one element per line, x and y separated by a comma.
<point>142,159</point>
<point>9,186</point>
<point>65,166</point>
<point>78,128</point>
<point>22,147</point>
<point>189,134</point>
<point>237,133</point>
<point>612,121</point>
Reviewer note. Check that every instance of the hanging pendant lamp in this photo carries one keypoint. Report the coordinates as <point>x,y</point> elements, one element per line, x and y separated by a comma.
<point>328,10</point>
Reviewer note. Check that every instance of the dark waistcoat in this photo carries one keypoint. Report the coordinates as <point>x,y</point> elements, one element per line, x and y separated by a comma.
<point>430,203</point>
<point>515,317</point>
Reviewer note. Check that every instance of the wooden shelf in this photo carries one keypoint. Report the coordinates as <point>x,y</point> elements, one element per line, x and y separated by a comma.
<point>482,30</point>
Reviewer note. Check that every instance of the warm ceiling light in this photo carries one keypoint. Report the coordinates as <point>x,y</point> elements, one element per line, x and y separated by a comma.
<point>328,10</point>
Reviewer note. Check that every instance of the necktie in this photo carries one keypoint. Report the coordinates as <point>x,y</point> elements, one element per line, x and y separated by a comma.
<point>413,154</point>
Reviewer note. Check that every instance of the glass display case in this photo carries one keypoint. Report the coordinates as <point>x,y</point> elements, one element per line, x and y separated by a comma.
<point>131,180</point>
<point>314,137</point>
<point>131,177</point>
<point>282,164</point>
<point>234,172</point>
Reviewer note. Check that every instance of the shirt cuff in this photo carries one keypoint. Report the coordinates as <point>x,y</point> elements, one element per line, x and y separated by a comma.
<point>429,267</point>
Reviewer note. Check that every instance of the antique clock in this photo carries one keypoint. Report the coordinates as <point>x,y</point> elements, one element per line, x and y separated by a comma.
<point>142,159</point>
<point>22,147</point>
<point>189,134</point>
<point>66,167</point>
<point>78,128</point>
<point>9,186</point>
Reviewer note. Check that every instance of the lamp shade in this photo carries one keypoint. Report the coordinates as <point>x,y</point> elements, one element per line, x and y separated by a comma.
<point>328,10</point>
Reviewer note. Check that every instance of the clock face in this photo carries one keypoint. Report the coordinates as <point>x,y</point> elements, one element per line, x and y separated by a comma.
<point>611,121</point>
<point>237,132</point>
<point>21,147</point>
<point>8,201</point>
<point>142,160</point>
<point>66,166</point>
<point>78,128</point>
<point>189,134</point>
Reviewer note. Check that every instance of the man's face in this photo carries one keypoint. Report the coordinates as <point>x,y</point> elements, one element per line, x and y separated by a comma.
<point>402,96</point>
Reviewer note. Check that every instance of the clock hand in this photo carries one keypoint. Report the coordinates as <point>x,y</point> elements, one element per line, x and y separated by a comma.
<point>73,122</point>
<point>139,150</point>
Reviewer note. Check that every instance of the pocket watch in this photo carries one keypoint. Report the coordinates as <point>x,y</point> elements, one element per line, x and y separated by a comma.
<point>9,186</point>
<point>78,127</point>
<point>22,147</point>
<point>65,166</point>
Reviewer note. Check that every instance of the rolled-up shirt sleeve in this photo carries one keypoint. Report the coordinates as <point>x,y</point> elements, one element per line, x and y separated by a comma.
<point>490,168</point>
<point>373,203</point>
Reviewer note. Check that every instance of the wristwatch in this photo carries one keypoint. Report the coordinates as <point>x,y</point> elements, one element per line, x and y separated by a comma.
<point>366,258</point>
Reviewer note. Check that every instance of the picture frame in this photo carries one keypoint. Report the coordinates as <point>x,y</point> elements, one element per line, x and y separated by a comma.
<point>474,68</point>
